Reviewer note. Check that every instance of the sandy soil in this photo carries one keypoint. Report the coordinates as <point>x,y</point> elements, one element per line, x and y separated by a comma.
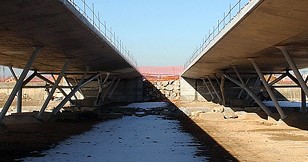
<point>252,138</point>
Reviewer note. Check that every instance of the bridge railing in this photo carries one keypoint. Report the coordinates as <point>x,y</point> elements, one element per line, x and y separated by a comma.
<point>221,24</point>
<point>94,18</point>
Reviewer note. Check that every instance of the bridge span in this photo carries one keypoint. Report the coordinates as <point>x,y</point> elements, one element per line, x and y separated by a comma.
<point>66,38</point>
<point>264,37</point>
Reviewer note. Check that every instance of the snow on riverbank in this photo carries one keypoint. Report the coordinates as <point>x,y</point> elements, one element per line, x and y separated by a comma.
<point>147,105</point>
<point>284,103</point>
<point>150,138</point>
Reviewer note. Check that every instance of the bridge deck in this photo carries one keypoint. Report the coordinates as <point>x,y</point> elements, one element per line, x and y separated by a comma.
<point>63,31</point>
<point>255,32</point>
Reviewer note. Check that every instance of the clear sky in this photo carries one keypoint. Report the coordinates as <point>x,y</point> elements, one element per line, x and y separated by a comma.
<point>161,32</point>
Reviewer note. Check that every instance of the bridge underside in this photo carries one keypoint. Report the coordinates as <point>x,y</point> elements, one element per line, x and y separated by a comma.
<point>265,37</point>
<point>57,38</point>
<point>255,34</point>
<point>63,32</point>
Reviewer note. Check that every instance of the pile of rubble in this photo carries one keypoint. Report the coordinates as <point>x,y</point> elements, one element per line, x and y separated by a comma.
<point>161,90</point>
<point>140,112</point>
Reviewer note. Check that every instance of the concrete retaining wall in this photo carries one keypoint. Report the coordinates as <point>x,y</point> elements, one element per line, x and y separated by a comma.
<point>128,90</point>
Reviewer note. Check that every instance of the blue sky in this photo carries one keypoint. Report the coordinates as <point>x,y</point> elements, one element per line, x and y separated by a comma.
<point>161,32</point>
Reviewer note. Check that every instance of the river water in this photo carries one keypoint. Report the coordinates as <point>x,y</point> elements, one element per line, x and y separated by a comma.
<point>148,138</point>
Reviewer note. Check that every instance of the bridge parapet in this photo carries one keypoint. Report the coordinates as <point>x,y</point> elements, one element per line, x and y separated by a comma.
<point>89,13</point>
<point>226,20</point>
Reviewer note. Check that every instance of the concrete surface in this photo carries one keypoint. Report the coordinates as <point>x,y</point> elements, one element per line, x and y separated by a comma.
<point>63,32</point>
<point>255,32</point>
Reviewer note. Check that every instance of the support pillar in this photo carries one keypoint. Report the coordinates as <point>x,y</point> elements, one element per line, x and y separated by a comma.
<point>241,92</point>
<point>304,102</point>
<point>19,83</point>
<point>218,96</point>
<point>258,101</point>
<point>53,89</point>
<point>207,87</point>
<point>101,86</point>
<point>108,89</point>
<point>268,89</point>
<point>222,90</point>
<point>51,83</point>
<point>114,88</point>
<point>294,68</point>
<point>19,93</point>
<point>81,84</point>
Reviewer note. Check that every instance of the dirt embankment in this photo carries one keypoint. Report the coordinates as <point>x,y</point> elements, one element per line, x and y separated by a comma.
<point>251,138</point>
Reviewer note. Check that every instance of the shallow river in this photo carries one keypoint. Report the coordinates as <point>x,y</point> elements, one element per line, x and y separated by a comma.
<point>148,138</point>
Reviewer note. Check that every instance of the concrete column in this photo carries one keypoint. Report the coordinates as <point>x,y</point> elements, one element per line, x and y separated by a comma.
<point>258,101</point>
<point>53,89</point>
<point>218,96</point>
<point>268,89</point>
<point>294,68</point>
<point>81,84</point>
<point>19,83</point>
<point>207,87</point>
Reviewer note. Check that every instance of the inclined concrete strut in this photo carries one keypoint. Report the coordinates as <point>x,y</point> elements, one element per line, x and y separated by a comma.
<point>19,83</point>
<point>208,88</point>
<point>53,89</point>
<point>19,94</point>
<point>101,86</point>
<point>268,89</point>
<point>293,66</point>
<point>70,87</point>
<point>277,79</point>
<point>51,83</point>
<point>81,84</point>
<point>242,90</point>
<point>303,95</point>
<point>114,88</point>
<point>222,89</point>
<point>108,89</point>
<point>258,101</point>
<point>219,98</point>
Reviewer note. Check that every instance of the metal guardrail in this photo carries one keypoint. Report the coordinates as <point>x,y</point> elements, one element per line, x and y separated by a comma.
<point>233,12</point>
<point>89,13</point>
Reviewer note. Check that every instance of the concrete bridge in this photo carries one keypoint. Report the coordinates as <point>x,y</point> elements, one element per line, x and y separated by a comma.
<point>66,38</point>
<point>263,37</point>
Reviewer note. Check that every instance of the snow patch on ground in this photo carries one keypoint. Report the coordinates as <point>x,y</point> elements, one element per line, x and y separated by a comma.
<point>147,105</point>
<point>151,138</point>
<point>284,103</point>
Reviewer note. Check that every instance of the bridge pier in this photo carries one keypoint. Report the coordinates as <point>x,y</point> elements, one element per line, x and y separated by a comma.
<point>294,68</point>
<point>19,94</point>
<point>81,84</point>
<point>268,89</point>
<point>242,84</point>
<point>53,89</point>
<point>208,89</point>
<point>100,88</point>
<point>19,83</point>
